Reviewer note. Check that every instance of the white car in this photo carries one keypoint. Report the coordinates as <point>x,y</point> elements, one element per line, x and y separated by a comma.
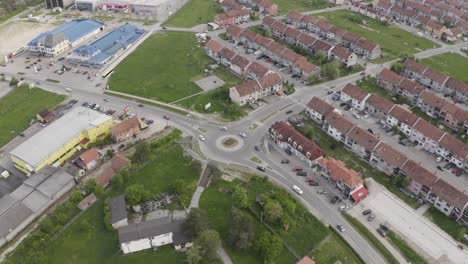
<point>344,208</point>
<point>201,137</point>
<point>438,159</point>
<point>297,189</point>
<point>341,228</point>
<point>356,116</point>
<point>223,128</point>
<point>242,134</point>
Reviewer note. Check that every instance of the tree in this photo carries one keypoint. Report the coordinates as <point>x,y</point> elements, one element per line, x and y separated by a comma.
<point>331,70</point>
<point>209,241</point>
<point>194,255</point>
<point>397,67</point>
<point>240,197</point>
<point>268,33</point>
<point>313,78</point>
<point>135,194</point>
<point>13,81</point>
<point>269,246</point>
<point>89,186</point>
<point>98,190</point>
<point>241,230</point>
<point>402,182</point>
<point>197,221</point>
<point>76,197</point>
<point>273,211</point>
<point>117,180</point>
<point>177,187</point>
<point>142,152</point>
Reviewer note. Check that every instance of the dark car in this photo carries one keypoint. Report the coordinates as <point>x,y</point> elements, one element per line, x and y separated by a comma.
<point>140,105</point>
<point>449,166</point>
<point>301,173</point>
<point>381,232</point>
<point>343,104</point>
<point>333,201</point>
<point>366,212</point>
<point>285,161</point>
<point>289,112</point>
<point>371,131</point>
<point>346,107</point>
<point>257,148</point>
<point>261,168</point>
<point>440,168</point>
<point>313,183</point>
<point>384,227</point>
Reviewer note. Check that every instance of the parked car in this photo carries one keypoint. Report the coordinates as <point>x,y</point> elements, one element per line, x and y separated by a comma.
<point>295,169</point>
<point>106,100</point>
<point>341,228</point>
<point>344,208</point>
<point>381,232</point>
<point>370,131</point>
<point>297,190</point>
<point>321,191</point>
<point>201,137</point>
<point>334,200</point>
<point>459,173</point>
<point>285,161</point>
<point>343,104</point>
<point>456,170</point>
<point>261,168</point>
<point>346,107</point>
<point>289,112</point>
<point>140,105</point>
<point>301,173</point>
<point>357,116</point>
<point>440,168</point>
<point>167,117</point>
<point>438,159</point>
<point>449,165</point>
<point>371,217</point>
<point>257,148</point>
<point>242,134</point>
<point>223,128</point>
<point>384,227</point>
<point>313,183</point>
<point>366,212</point>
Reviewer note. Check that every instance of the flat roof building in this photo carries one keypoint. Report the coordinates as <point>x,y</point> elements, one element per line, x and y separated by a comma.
<point>61,139</point>
<point>54,42</point>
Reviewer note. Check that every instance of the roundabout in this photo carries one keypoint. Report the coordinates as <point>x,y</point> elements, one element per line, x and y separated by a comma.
<point>229,143</point>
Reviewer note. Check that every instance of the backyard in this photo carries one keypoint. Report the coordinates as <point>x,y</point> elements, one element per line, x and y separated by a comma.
<point>306,236</point>
<point>193,13</point>
<point>301,5</point>
<point>20,106</point>
<point>451,64</point>
<point>394,41</point>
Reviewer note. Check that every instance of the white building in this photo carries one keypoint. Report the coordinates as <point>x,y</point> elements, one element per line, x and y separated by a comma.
<point>355,96</point>
<point>118,211</point>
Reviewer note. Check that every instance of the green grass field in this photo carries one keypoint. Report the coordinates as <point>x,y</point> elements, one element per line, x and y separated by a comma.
<point>394,42</point>
<point>305,237</point>
<point>451,64</point>
<point>448,225</point>
<point>409,253</point>
<point>302,5</point>
<point>195,12</point>
<point>20,106</point>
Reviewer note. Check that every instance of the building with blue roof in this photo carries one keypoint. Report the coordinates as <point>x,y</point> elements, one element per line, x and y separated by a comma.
<point>68,35</point>
<point>105,48</point>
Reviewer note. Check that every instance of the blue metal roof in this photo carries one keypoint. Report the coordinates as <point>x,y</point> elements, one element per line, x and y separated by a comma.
<point>73,30</point>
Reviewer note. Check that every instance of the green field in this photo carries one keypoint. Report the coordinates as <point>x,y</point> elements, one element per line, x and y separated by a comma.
<point>12,8</point>
<point>452,64</point>
<point>307,236</point>
<point>448,225</point>
<point>20,106</point>
<point>301,5</point>
<point>193,13</point>
<point>409,253</point>
<point>394,42</point>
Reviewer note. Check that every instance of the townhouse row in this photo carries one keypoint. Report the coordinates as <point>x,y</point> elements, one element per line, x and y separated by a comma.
<point>447,23</point>
<point>237,12</point>
<point>348,181</point>
<point>423,183</point>
<point>430,103</point>
<point>297,64</point>
<point>360,46</point>
<point>261,81</point>
<point>427,136</point>
<point>313,45</point>
<point>436,81</point>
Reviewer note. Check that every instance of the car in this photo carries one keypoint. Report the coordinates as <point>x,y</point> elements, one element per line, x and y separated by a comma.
<point>297,190</point>
<point>370,131</point>
<point>285,161</point>
<point>381,232</point>
<point>242,134</point>
<point>459,173</point>
<point>289,112</point>
<point>106,100</point>
<point>140,105</point>
<point>362,73</point>
<point>257,148</point>
<point>321,191</point>
<point>449,166</point>
<point>371,217</point>
<point>301,173</point>
<point>201,137</point>
<point>341,228</point>
<point>261,168</point>
<point>330,92</point>
<point>164,28</point>
<point>98,84</point>
<point>68,89</point>
<point>455,170</point>
<point>167,117</point>
<point>343,104</point>
<point>295,169</point>
<point>440,168</point>
<point>356,116</point>
<point>366,212</point>
<point>223,128</point>
<point>344,208</point>
<point>334,200</point>
<point>438,159</point>
<point>384,227</point>
<point>346,107</point>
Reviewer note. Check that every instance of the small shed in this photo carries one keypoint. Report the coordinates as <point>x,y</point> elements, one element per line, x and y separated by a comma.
<point>87,202</point>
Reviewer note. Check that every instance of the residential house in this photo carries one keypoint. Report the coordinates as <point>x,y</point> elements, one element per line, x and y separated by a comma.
<point>426,135</point>
<point>225,56</point>
<point>248,39</point>
<point>402,118</point>
<point>45,116</point>
<point>367,49</point>
<point>232,17</point>
<point>449,200</point>
<point>287,137</point>
<point>435,29</point>
<point>389,80</point>
<point>233,32</point>
<point>228,5</point>
<point>413,70</point>
<point>460,89</point>
<point>256,70</point>
<point>355,96</point>
<point>337,126</point>
<point>294,17</point>
<point>344,56</point>
<point>302,67</point>
<point>378,106</point>
<point>454,117</point>
<point>318,109</point>
<point>453,150</point>
<point>347,180</point>
<point>387,159</point>
<point>89,159</point>
<point>253,90</point>
<point>239,65</point>
<point>125,129</point>
<point>361,142</point>
<point>306,260</point>
<point>117,163</point>
<point>434,80</point>
<point>212,49</point>
<point>430,103</point>
<point>422,180</point>
<point>118,211</point>
<point>409,89</point>
<point>291,34</point>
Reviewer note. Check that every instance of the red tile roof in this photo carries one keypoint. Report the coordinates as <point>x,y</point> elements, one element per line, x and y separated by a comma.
<point>214,46</point>
<point>262,41</point>
<point>292,32</point>
<point>240,62</point>
<point>306,39</point>
<point>226,53</point>
<point>126,125</point>
<point>268,21</point>
<point>411,86</point>
<point>276,48</point>
<point>432,100</point>
<point>435,76</point>
<point>290,55</point>
<point>413,66</point>
<point>119,161</point>
<point>321,46</point>
<point>248,87</point>
<point>379,103</point>
<point>457,85</point>
<point>249,35</point>
<point>341,52</point>
<point>390,155</point>
<point>338,171</point>
<point>418,173</point>
<point>294,15</point>
<point>339,122</point>
<point>449,194</point>
<point>234,31</point>
<point>270,80</point>
<point>305,66</point>
<point>403,115</point>
<point>390,77</point>
<point>366,44</point>
<point>89,156</point>
<point>320,106</point>
<point>452,144</point>
<point>350,37</point>
<point>278,26</point>
<point>363,138</point>
<point>258,69</point>
<point>309,19</point>
<point>428,130</point>
<point>354,92</point>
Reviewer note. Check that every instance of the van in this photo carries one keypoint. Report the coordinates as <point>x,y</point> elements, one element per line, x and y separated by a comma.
<point>297,189</point>
<point>5,174</point>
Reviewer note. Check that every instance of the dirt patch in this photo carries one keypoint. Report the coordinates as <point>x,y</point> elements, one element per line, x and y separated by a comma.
<point>368,28</point>
<point>19,34</point>
<point>230,142</point>
<point>228,178</point>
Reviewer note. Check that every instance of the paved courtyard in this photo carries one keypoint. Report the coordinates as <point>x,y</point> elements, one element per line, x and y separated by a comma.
<point>209,83</point>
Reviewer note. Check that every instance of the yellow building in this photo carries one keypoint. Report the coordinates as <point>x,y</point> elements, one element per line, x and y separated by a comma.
<point>60,140</point>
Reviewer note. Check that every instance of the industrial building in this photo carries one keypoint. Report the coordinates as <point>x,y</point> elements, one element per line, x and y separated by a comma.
<point>58,3</point>
<point>87,5</point>
<point>159,8</point>
<point>37,193</point>
<point>54,42</point>
<point>105,48</point>
<point>60,140</point>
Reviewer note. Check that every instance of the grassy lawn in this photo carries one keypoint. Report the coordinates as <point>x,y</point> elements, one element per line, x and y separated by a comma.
<point>20,106</point>
<point>410,255</point>
<point>162,68</point>
<point>194,12</point>
<point>393,40</point>
<point>19,8</point>
<point>302,5</point>
<point>306,235</point>
<point>451,227</point>
<point>373,240</point>
<point>338,151</point>
<point>451,64</point>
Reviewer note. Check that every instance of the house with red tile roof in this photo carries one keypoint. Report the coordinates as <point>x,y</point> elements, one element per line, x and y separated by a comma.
<point>454,116</point>
<point>434,80</point>
<point>318,109</point>
<point>254,90</point>
<point>225,56</point>
<point>291,34</point>
<point>449,200</point>
<point>212,48</point>
<point>89,159</point>
<point>409,89</point>
<point>125,129</point>
<point>387,159</point>
<point>294,17</point>
<point>234,33</point>
<point>304,68</point>
<point>430,103</point>
<point>355,96</point>
<point>232,17</point>
<point>453,150</point>
<point>306,260</point>
<point>361,142</point>
<point>426,135</point>
<point>459,87</point>
<point>305,41</point>
<point>378,106</point>
<point>344,56</point>
<point>287,137</point>
<point>402,118</point>
<point>256,70</point>
<point>228,5</point>
<point>337,126</point>
<point>422,180</point>
<point>239,65</point>
<point>347,180</point>
<point>389,80</point>
<point>114,166</point>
